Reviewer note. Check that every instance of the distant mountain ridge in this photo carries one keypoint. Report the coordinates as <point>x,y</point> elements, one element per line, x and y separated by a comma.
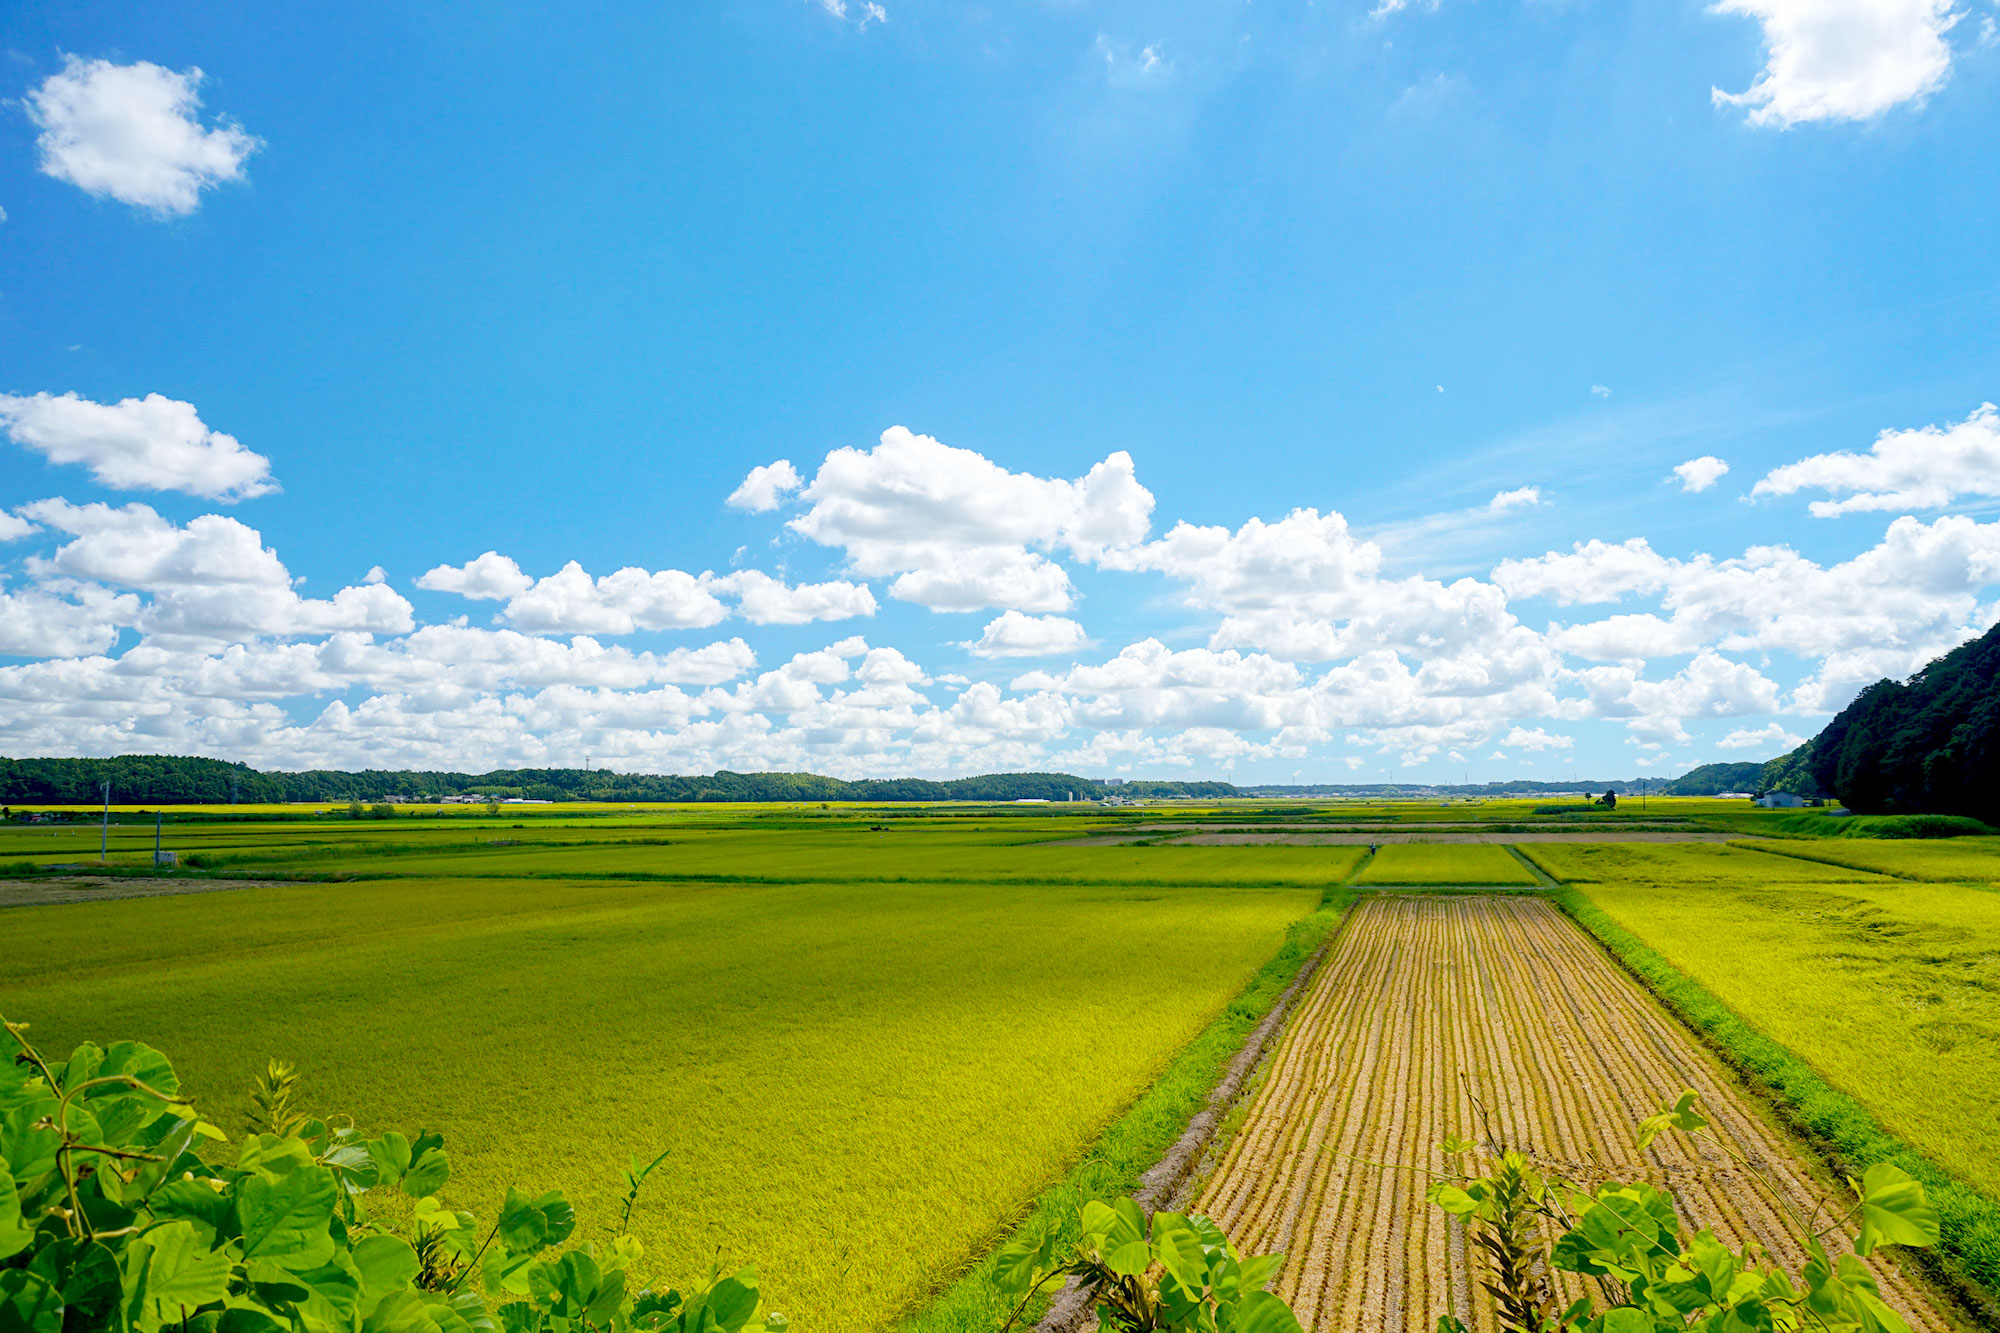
<point>1928,745</point>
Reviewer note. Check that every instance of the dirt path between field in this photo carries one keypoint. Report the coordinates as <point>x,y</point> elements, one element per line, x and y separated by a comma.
<point>1429,1002</point>
<point>1351,838</point>
<point>96,888</point>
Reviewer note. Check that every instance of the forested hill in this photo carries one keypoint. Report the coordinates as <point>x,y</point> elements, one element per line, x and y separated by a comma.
<point>1929,745</point>
<point>169,780</point>
<point>1714,779</point>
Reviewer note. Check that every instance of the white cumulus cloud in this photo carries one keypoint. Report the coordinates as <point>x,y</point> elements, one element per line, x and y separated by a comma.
<point>1771,737</point>
<point>766,487</point>
<point>137,444</point>
<point>957,532</point>
<point>1843,59</point>
<point>1698,474</point>
<point>1011,634</point>
<point>132,132</point>
<point>1926,468</point>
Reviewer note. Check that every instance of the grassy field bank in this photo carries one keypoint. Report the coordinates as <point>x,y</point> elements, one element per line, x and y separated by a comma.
<point>1956,860</point>
<point>858,1084</point>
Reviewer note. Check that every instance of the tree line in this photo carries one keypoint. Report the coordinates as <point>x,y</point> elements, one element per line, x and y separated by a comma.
<point>142,779</point>
<point>1928,745</point>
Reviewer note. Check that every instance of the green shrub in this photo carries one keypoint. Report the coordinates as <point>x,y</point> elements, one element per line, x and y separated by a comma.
<point>111,1220</point>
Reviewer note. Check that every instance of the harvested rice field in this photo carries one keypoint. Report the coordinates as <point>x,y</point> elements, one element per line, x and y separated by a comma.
<point>1432,1008</point>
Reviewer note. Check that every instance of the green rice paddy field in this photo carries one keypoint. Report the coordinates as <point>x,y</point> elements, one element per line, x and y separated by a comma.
<point>863,1075</point>
<point>870,1038</point>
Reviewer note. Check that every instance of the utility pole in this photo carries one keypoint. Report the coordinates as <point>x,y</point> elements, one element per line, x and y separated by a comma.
<point>159,816</point>
<point>104,837</point>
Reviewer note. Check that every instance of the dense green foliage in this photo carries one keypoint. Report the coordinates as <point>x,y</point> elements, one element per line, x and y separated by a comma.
<point>1930,745</point>
<point>1714,779</point>
<point>1838,824</point>
<point>170,780</point>
<point>112,1221</point>
<point>1168,1273</point>
<point>1647,1274</point>
<point>1870,1062</point>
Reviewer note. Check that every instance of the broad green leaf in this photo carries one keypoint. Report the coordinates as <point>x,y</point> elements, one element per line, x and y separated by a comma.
<point>1452,1199</point>
<point>14,1233</point>
<point>523,1229</point>
<point>242,1317</point>
<point>732,1302</point>
<point>1877,1317</point>
<point>392,1154</point>
<point>333,1294</point>
<point>1626,1321</point>
<point>427,1174</point>
<point>1016,1263</point>
<point>85,1276</point>
<point>198,1201</point>
<point>138,1061</point>
<point>28,1303</point>
<point>286,1219</point>
<point>405,1312</point>
<point>1257,1271</point>
<point>182,1272</point>
<point>1181,1255</point>
<point>1895,1210</point>
<point>1130,1259</point>
<point>386,1264</point>
<point>1261,1312</point>
<point>1677,1114</point>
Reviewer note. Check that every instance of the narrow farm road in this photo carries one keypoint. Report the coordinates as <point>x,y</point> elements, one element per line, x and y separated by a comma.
<point>1430,1003</point>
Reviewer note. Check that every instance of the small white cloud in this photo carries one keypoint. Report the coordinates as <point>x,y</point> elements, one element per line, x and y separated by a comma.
<point>1772,737</point>
<point>13,528</point>
<point>1600,391</point>
<point>375,574</point>
<point>873,13</point>
<point>130,132</point>
<point>1698,474</point>
<point>1521,738</point>
<point>1843,59</point>
<point>489,578</point>
<point>138,444</point>
<point>1012,634</point>
<point>765,487</point>
<point>1523,497</point>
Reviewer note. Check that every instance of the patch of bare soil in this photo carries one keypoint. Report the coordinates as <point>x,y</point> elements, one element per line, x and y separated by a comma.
<point>96,888</point>
<point>1345,838</point>
<point>1429,1003</point>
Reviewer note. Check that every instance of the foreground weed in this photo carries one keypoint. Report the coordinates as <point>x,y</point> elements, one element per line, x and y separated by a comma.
<point>1649,1276</point>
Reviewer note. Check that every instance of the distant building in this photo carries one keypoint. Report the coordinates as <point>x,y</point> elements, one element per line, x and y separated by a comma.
<point>1735,796</point>
<point>1033,800</point>
<point>1781,800</point>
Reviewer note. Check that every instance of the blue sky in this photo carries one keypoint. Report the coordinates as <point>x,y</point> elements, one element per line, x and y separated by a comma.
<point>1465,282</point>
